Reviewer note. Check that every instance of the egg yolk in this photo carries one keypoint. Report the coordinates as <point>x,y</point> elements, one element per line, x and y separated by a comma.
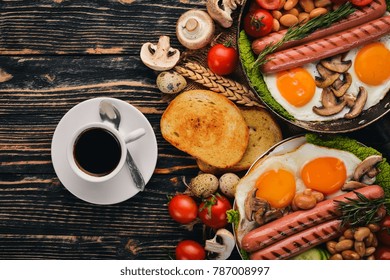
<point>325,174</point>
<point>372,64</point>
<point>297,86</point>
<point>277,187</point>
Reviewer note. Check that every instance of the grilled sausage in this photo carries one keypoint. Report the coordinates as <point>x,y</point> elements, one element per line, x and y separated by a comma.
<point>297,221</point>
<point>328,46</point>
<point>368,13</point>
<point>300,242</point>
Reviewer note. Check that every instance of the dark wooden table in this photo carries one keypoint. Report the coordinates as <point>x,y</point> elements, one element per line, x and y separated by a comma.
<point>55,54</point>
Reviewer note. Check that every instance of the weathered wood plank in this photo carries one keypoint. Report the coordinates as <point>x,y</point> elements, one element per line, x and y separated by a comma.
<point>39,204</point>
<point>87,27</point>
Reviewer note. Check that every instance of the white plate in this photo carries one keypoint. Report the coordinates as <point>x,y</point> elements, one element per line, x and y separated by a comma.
<point>121,187</point>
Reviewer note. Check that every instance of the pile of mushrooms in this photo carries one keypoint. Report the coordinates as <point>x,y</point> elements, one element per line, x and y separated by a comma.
<point>259,210</point>
<point>335,81</point>
<point>364,174</point>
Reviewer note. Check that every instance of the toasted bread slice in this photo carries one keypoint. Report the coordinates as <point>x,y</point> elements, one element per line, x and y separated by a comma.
<point>207,126</point>
<point>264,132</point>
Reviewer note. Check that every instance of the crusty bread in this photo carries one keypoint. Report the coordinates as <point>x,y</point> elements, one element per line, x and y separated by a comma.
<point>207,126</point>
<point>264,132</point>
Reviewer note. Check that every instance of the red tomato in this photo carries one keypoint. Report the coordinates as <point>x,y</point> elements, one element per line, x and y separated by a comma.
<point>382,253</point>
<point>183,209</point>
<point>269,4</point>
<point>222,59</point>
<point>190,250</point>
<point>361,3</point>
<point>258,23</point>
<point>384,234</point>
<point>212,211</point>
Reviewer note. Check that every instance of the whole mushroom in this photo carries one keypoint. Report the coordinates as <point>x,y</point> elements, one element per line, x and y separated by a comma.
<point>228,183</point>
<point>195,29</point>
<point>222,13</point>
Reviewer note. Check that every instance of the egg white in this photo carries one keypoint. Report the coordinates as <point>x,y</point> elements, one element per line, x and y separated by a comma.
<point>305,113</point>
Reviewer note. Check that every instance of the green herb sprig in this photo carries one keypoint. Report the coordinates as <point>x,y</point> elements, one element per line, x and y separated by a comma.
<point>360,211</point>
<point>299,32</point>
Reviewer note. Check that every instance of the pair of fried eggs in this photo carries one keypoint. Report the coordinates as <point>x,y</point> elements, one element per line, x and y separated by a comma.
<point>296,91</point>
<point>277,178</point>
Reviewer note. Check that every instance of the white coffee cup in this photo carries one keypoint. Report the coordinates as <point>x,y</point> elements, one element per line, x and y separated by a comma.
<point>78,160</point>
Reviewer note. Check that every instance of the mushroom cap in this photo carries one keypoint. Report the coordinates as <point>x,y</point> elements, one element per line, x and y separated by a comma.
<point>195,29</point>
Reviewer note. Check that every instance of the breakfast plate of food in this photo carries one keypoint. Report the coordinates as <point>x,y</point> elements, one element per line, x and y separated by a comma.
<point>320,65</point>
<point>307,194</point>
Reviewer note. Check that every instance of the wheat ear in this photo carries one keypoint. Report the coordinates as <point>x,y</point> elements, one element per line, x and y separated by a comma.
<point>229,88</point>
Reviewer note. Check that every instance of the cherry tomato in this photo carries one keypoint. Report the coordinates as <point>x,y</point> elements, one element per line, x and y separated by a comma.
<point>361,3</point>
<point>258,23</point>
<point>212,211</point>
<point>382,253</point>
<point>222,59</point>
<point>384,234</point>
<point>190,250</point>
<point>183,209</point>
<point>269,4</point>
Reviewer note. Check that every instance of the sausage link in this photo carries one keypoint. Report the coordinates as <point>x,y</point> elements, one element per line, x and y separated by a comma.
<point>299,242</point>
<point>297,221</point>
<point>328,46</point>
<point>370,12</point>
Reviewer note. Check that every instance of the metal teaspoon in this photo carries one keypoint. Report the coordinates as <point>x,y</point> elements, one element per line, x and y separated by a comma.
<point>108,112</point>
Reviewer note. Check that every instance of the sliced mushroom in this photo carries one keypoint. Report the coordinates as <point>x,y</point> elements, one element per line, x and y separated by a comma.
<point>160,57</point>
<point>222,13</point>
<point>365,166</point>
<point>357,108</point>
<point>372,172</point>
<point>349,99</point>
<point>327,98</point>
<point>221,246</point>
<point>340,90</point>
<point>336,64</point>
<point>258,216</point>
<point>195,29</point>
<point>327,77</point>
<point>352,185</point>
<point>330,106</point>
<point>255,207</point>
<point>273,214</point>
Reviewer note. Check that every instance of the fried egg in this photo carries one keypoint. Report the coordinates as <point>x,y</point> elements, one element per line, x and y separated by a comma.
<point>278,177</point>
<point>296,91</point>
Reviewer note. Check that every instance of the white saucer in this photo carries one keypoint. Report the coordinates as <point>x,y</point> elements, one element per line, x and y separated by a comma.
<point>121,187</point>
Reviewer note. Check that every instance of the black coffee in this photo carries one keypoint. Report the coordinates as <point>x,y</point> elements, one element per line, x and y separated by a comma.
<point>97,151</point>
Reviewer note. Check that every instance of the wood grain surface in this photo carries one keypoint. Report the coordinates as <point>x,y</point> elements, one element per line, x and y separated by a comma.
<point>55,54</point>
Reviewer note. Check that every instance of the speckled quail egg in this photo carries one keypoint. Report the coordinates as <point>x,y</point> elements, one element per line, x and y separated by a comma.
<point>171,82</point>
<point>228,183</point>
<point>204,185</point>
